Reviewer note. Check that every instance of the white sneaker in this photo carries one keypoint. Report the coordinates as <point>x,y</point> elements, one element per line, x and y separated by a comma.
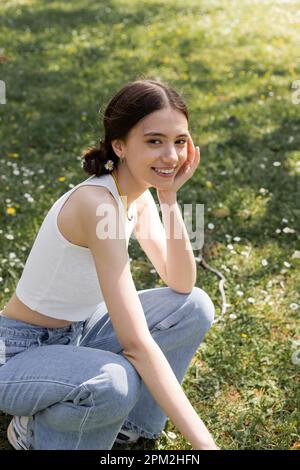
<point>17,432</point>
<point>126,436</point>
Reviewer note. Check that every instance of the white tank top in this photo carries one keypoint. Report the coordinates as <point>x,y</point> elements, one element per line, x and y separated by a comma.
<point>59,278</point>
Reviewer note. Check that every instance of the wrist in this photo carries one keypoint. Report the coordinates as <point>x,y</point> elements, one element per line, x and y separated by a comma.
<point>209,445</point>
<point>204,442</point>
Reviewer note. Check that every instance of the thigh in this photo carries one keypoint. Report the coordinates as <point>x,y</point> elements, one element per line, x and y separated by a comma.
<point>163,308</point>
<point>40,377</point>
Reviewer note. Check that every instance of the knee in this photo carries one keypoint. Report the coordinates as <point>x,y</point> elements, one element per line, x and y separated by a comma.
<point>203,308</point>
<point>124,385</point>
<point>113,392</point>
<point>104,398</point>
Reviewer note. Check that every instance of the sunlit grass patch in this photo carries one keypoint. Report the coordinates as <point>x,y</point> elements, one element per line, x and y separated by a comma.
<point>235,63</point>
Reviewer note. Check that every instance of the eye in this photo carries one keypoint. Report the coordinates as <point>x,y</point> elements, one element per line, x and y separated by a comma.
<point>156,140</point>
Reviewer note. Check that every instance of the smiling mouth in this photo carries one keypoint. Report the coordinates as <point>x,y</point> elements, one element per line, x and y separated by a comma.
<point>164,171</point>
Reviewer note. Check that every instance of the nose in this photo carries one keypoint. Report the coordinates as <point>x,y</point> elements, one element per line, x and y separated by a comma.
<point>170,157</point>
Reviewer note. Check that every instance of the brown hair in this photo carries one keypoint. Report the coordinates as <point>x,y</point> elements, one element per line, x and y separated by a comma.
<point>133,102</point>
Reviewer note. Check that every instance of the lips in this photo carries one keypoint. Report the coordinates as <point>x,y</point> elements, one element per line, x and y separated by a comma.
<point>163,174</point>
<point>168,169</point>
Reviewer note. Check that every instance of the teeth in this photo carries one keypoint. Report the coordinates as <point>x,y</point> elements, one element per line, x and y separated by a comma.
<point>164,171</point>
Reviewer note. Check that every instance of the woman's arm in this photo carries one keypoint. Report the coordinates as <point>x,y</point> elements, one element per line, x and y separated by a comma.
<point>130,325</point>
<point>179,250</point>
<point>152,365</point>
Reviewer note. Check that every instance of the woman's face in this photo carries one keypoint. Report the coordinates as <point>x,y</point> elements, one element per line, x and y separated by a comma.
<point>143,152</point>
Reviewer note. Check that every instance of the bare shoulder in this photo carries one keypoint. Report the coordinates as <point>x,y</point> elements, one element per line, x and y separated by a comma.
<point>89,192</point>
<point>89,196</point>
<point>98,209</point>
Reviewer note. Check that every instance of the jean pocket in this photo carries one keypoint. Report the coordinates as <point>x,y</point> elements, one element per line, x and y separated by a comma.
<point>169,322</point>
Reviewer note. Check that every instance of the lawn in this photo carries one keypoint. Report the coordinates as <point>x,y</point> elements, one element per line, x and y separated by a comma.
<point>235,63</point>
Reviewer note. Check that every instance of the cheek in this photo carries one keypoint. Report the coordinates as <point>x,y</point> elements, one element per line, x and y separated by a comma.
<point>183,156</point>
<point>183,153</point>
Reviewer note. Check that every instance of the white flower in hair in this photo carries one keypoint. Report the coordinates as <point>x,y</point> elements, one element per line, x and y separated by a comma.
<point>109,165</point>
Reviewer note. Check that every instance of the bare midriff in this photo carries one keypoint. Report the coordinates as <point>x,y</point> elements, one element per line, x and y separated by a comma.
<point>70,228</point>
<point>17,310</point>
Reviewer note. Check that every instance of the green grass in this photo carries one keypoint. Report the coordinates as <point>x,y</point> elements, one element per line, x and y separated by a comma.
<point>235,63</point>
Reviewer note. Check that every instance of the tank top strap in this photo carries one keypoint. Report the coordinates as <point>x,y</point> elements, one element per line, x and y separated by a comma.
<point>106,181</point>
<point>103,180</point>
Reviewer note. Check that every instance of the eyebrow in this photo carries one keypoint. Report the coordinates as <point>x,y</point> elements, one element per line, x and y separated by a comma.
<point>163,135</point>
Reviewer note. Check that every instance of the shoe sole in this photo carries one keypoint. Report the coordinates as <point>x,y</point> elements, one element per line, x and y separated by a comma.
<point>12,439</point>
<point>118,441</point>
<point>125,440</point>
<point>11,436</point>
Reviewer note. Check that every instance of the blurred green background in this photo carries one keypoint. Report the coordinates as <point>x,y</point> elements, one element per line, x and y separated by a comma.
<point>235,64</point>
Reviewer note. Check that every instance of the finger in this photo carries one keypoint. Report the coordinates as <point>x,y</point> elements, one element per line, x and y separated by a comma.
<point>198,152</point>
<point>190,151</point>
<point>188,147</point>
<point>192,144</point>
<point>197,156</point>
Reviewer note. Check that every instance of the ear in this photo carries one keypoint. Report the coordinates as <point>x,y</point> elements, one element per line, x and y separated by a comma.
<point>117,146</point>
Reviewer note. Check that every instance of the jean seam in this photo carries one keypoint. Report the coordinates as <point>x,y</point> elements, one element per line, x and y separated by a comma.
<point>9,382</point>
<point>85,418</point>
<point>141,431</point>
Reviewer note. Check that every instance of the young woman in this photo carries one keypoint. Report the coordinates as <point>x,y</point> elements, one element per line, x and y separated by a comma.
<point>85,359</point>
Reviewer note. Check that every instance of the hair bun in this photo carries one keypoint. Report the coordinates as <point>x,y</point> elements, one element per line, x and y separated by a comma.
<point>94,158</point>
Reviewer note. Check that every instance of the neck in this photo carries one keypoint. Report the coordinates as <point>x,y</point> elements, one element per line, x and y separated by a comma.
<point>130,188</point>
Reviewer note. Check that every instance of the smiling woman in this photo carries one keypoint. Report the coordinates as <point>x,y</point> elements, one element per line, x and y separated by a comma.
<point>83,354</point>
<point>146,163</point>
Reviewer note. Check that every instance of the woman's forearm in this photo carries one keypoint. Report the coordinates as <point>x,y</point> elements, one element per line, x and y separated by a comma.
<point>179,249</point>
<point>158,376</point>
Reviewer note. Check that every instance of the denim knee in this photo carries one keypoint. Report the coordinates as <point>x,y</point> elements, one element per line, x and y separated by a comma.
<point>105,398</point>
<point>125,385</point>
<point>204,309</point>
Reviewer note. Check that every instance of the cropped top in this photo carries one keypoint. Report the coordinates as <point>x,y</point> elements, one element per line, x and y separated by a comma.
<point>59,278</point>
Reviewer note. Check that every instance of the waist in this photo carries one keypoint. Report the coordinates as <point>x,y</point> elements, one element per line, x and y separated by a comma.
<point>16,310</point>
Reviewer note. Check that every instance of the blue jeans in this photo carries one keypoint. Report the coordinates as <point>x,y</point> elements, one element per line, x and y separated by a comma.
<point>75,381</point>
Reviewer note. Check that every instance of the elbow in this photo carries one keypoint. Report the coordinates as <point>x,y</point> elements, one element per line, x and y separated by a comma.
<point>183,286</point>
<point>182,290</point>
<point>138,348</point>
